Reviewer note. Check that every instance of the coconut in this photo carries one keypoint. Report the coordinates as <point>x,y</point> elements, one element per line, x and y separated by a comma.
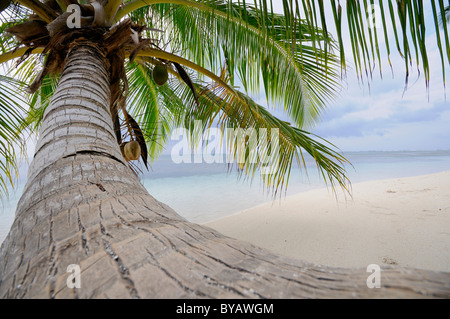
<point>131,151</point>
<point>160,75</point>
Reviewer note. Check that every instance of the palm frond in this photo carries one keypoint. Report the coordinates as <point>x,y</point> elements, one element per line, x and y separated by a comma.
<point>292,142</point>
<point>12,122</point>
<point>293,74</point>
<point>367,18</point>
<point>278,143</point>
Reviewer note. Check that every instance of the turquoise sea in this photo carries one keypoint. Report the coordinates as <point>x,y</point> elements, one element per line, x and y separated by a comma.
<point>203,192</point>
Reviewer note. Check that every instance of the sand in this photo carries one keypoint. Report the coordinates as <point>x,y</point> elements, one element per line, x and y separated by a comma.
<point>404,222</point>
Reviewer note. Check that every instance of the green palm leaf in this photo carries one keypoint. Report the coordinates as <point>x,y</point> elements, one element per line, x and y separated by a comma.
<point>231,110</point>
<point>209,37</point>
<point>12,123</point>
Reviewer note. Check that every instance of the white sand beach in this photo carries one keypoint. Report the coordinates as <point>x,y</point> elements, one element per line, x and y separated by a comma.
<point>403,222</point>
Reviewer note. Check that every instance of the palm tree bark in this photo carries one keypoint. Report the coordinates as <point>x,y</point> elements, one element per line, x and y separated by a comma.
<point>83,205</point>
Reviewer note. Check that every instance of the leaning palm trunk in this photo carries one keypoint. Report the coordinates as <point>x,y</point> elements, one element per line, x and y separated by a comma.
<point>83,205</point>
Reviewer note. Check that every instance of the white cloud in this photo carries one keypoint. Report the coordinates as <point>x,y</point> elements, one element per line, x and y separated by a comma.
<point>388,118</point>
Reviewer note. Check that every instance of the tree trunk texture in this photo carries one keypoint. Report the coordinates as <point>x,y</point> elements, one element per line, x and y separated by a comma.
<point>82,205</point>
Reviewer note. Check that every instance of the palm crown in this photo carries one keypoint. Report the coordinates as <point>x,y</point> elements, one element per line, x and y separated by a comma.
<point>207,47</point>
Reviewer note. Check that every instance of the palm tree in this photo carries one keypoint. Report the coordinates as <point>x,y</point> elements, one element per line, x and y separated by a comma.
<point>96,73</point>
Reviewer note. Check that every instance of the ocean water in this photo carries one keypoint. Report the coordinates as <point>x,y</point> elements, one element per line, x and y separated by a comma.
<point>204,192</point>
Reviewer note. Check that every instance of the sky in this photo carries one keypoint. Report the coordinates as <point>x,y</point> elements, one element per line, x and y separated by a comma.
<point>385,118</point>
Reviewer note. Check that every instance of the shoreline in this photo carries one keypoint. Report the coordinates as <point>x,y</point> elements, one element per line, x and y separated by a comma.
<point>390,222</point>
